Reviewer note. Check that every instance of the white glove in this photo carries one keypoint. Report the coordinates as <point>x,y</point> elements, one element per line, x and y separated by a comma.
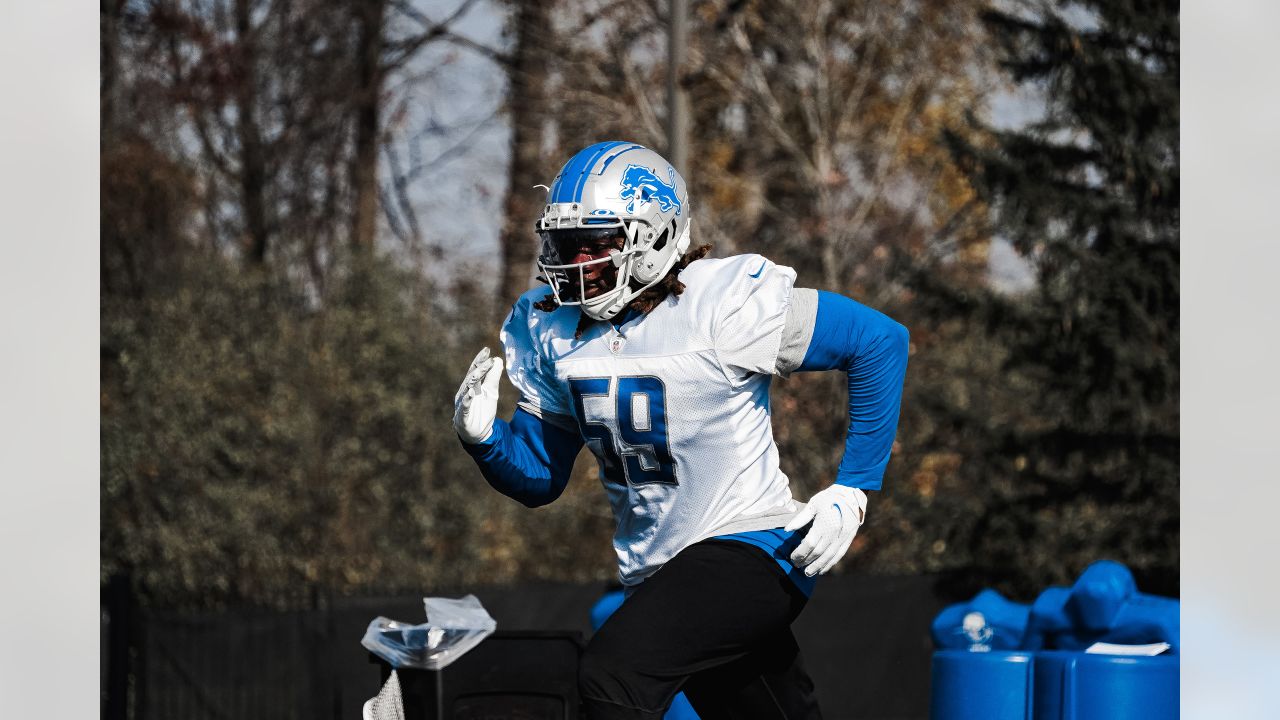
<point>837,513</point>
<point>476,405</point>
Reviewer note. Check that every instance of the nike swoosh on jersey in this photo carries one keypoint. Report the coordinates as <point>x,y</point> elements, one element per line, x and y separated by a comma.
<point>756,274</point>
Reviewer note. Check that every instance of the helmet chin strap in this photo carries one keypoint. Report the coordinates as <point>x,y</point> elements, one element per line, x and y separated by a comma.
<point>608,305</point>
<point>602,314</point>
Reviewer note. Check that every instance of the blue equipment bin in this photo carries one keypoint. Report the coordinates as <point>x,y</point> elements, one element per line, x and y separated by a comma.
<point>1080,686</point>
<point>994,685</point>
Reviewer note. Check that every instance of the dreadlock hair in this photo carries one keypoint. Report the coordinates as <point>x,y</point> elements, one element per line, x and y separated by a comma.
<point>645,302</point>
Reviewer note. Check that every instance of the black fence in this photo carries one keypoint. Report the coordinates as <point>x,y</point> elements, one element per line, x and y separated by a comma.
<point>865,640</point>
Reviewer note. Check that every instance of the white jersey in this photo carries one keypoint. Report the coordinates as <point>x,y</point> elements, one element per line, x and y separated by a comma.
<point>675,404</point>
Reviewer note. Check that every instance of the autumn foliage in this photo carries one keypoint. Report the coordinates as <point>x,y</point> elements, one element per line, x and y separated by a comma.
<point>277,389</point>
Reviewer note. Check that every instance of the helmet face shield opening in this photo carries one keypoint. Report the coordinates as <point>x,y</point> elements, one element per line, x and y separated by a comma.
<point>560,246</point>
<point>582,261</point>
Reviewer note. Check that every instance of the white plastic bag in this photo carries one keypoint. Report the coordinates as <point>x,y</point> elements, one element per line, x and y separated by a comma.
<point>453,627</point>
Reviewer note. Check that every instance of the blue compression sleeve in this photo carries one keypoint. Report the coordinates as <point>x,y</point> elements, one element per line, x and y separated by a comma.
<point>528,459</point>
<point>872,349</point>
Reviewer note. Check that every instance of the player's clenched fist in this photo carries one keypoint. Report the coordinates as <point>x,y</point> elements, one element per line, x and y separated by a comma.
<point>476,404</point>
<point>837,513</point>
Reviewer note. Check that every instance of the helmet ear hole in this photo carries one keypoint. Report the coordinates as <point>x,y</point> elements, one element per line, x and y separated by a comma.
<point>663,238</point>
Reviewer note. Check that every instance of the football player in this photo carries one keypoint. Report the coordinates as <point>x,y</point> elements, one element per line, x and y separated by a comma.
<point>659,360</point>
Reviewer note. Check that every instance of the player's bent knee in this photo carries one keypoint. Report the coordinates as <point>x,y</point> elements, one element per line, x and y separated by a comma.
<point>609,673</point>
<point>603,673</point>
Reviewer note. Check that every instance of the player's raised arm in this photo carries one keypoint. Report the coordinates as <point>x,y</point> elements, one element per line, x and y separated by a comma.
<point>528,459</point>
<point>872,349</point>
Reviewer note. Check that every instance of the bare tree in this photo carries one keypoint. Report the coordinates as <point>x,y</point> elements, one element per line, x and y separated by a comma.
<point>280,107</point>
<point>528,107</point>
<point>253,170</point>
<point>244,78</point>
<point>109,18</point>
<point>853,99</point>
<point>820,143</point>
<point>370,18</point>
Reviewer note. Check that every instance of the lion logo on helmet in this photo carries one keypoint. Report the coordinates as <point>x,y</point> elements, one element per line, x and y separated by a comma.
<point>641,185</point>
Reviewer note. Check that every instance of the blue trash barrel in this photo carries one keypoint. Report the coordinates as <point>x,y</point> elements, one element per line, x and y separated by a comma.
<point>1079,686</point>
<point>992,685</point>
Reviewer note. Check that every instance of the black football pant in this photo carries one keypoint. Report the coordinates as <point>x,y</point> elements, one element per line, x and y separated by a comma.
<point>715,622</point>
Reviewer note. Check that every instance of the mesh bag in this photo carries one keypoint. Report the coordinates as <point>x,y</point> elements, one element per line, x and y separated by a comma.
<point>386,705</point>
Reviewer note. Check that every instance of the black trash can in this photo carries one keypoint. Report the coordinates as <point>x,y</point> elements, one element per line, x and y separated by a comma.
<point>524,675</point>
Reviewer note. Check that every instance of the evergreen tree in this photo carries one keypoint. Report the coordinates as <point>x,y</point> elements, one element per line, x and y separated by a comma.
<point>1085,464</point>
